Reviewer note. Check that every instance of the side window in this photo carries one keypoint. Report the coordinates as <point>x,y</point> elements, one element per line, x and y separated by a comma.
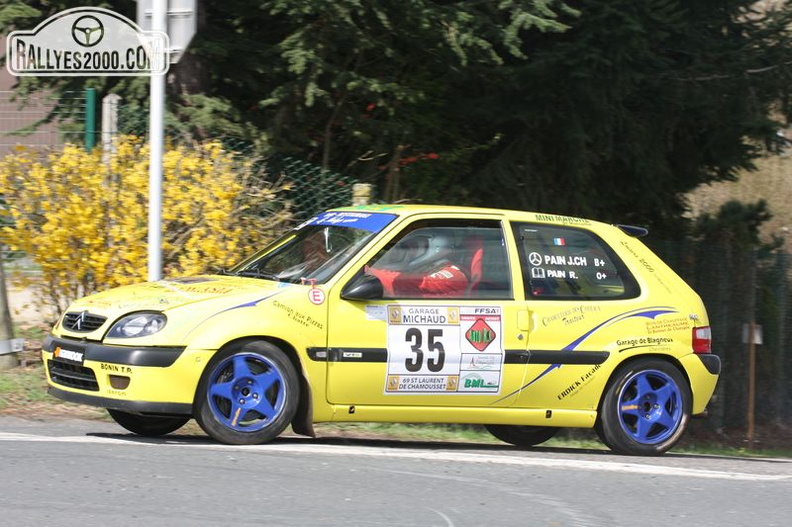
<point>452,259</point>
<point>567,263</point>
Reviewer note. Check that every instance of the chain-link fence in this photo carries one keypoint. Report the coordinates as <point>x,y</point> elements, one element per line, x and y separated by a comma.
<point>40,121</point>
<point>35,120</point>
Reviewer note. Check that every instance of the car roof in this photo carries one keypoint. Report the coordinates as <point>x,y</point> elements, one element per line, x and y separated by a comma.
<point>405,210</point>
<point>401,209</point>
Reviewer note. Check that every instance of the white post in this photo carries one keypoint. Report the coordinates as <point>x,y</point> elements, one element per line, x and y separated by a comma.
<point>157,146</point>
<point>109,125</point>
<point>361,194</point>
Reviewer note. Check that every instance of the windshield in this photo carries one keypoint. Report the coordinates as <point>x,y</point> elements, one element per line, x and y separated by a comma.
<point>316,250</point>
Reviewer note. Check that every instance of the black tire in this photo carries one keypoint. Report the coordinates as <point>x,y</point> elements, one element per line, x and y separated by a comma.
<point>247,395</point>
<point>148,425</point>
<point>522,436</point>
<point>645,409</point>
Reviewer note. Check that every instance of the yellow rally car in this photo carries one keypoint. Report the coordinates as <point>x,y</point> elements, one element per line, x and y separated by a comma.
<point>523,322</point>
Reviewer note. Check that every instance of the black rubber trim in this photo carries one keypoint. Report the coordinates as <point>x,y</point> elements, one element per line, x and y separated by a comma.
<point>711,362</point>
<point>139,407</point>
<point>357,355</point>
<point>568,357</point>
<point>154,356</point>
<point>511,356</point>
<point>517,357</point>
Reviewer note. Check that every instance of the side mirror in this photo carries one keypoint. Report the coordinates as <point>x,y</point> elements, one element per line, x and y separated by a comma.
<point>363,287</point>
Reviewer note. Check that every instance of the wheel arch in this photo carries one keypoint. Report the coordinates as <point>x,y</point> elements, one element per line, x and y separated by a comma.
<point>303,420</point>
<point>667,358</point>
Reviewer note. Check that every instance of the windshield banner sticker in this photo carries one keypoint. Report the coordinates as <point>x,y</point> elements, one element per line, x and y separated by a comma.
<point>367,221</point>
<point>444,350</point>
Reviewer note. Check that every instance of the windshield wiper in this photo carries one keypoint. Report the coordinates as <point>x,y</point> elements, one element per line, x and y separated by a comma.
<point>258,273</point>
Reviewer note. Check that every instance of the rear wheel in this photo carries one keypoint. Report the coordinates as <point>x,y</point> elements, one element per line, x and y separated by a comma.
<point>247,394</point>
<point>148,425</point>
<point>645,409</point>
<point>523,436</point>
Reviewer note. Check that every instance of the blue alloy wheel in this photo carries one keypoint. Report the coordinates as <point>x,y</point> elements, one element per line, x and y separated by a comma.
<point>650,404</point>
<point>645,409</point>
<point>248,394</point>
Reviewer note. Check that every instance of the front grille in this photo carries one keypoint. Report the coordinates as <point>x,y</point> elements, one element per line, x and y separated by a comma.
<point>83,321</point>
<point>73,376</point>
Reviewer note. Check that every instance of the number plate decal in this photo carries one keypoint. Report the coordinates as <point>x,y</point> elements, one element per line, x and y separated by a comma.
<point>444,349</point>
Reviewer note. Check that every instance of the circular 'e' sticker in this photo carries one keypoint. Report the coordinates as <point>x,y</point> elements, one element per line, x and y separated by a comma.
<point>316,296</point>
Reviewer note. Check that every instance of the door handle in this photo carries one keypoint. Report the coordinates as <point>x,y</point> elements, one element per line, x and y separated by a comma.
<point>524,320</point>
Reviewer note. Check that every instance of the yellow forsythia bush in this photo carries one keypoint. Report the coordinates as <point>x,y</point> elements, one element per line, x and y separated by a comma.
<point>84,220</point>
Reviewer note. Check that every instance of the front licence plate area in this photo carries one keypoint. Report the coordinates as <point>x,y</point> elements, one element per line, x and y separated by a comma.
<point>66,367</point>
<point>68,355</point>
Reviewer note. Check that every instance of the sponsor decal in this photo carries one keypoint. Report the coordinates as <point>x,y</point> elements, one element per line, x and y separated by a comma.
<point>480,335</point>
<point>367,221</point>
<point>375,312</point>
<point>579,383</point>
<point>115,368</point>
<point>190,280</point>
<point>482,381</point>
<point>644,341</point>
<point>441,349</point>
<point>68,355</point>
<point>297,316</point>
<point>664,326</point>
<point>571,315</point>
<point>481,361</point>
<point>564,220</point>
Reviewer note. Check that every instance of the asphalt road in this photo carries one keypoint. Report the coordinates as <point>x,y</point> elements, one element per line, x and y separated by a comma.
<point>89,473</point>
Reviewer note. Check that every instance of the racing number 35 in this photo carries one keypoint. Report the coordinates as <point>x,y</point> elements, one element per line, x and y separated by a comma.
<point>415,338</point>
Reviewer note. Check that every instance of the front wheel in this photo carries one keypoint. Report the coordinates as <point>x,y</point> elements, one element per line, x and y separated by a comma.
<point>147,425</point>
<point>645,409</point>
<point>247,394</point>
<point>522,436</point>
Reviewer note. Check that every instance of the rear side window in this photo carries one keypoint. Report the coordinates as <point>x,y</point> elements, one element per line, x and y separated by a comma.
<point>565,263</point>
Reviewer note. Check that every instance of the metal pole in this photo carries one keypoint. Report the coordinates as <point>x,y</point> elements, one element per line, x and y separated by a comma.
<point>90,119</point>
<point>157,146</point>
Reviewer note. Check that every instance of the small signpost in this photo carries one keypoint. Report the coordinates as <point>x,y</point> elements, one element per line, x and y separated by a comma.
<point>181,23</point>
<point>178,19</point>
<point>752,335</point>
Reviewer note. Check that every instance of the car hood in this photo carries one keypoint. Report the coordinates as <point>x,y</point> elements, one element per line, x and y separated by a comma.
<point>205,294</point>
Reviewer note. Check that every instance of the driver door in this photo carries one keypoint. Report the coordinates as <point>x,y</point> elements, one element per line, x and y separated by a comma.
<point>455,346</point>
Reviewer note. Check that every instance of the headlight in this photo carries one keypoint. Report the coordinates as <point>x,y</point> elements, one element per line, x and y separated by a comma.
<point>138,325</point>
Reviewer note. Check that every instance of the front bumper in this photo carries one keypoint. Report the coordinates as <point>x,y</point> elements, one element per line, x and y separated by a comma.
<point>159,380</point>
<point>124,355</point>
